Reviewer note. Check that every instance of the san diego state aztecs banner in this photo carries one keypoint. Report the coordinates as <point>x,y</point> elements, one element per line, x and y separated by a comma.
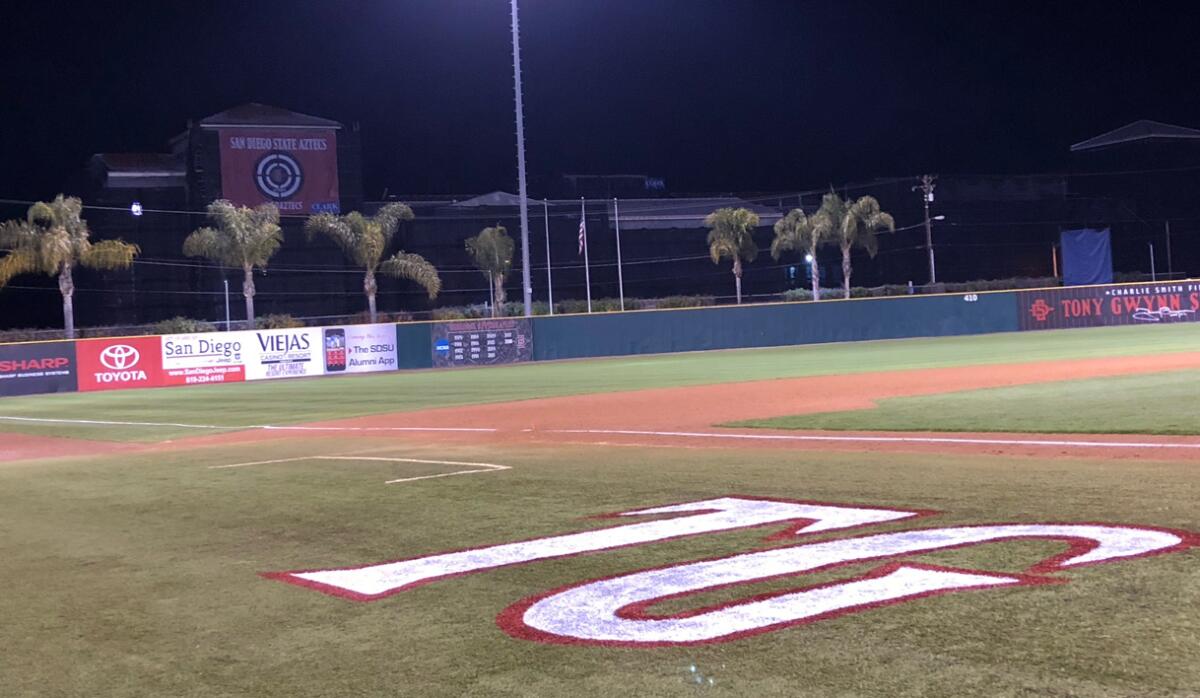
<point>1097,306</point>
<point>295,169</point>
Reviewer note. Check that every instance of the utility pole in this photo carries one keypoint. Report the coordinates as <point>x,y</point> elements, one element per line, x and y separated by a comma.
<point>926,188</point>
<point>1170,267</point>
<point>526,284</point>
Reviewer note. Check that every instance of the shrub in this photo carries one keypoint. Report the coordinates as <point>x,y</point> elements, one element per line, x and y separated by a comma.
<point>684,301</point>
<point>278,322</point>
<point>183,325</point>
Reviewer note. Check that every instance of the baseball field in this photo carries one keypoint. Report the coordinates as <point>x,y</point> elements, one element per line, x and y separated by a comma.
<point>1001,515</point>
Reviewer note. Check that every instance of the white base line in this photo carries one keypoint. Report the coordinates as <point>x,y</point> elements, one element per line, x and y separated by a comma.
<point>477,467</point>
<point>265,427</point>
<point>882,439</point>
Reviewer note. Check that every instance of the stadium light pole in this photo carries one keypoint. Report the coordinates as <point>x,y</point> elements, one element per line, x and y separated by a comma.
<point>526,285</point>
<point>926,188</point>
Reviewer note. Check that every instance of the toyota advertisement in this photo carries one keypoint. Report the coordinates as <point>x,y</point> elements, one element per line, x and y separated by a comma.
<point>42,367</point>
<point>294,169</point>
<point>360,348</point>
<point>116,364</point>
<point>197,359</point>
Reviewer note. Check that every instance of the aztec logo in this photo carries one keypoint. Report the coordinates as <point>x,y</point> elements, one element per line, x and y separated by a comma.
<point>1040,310</point>
<point>619,611</point>
<point>278,176</point>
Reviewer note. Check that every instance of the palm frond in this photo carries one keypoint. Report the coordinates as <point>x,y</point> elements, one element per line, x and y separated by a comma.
<point>17,262</point>
<point>492,250</point>
<point>731,234</point>
<point>414,267</point>
<point>109,254</point>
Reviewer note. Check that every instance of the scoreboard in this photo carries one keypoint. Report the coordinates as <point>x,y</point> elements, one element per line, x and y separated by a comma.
<point>482,342</point>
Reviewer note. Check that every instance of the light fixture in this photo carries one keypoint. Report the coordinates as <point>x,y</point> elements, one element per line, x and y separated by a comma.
<point>136,208</point>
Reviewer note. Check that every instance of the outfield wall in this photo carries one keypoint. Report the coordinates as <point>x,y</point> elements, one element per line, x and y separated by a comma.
<point>222,357</point>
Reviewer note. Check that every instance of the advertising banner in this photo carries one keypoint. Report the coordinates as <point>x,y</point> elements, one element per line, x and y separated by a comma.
<point>295,169</point>
<point>120,363</point>
<point>283,353</point>
<point>481,342</point>
<point>1097,306</point>
<point>43,367</point>
<point>359,348</point>
<point>197,359</point>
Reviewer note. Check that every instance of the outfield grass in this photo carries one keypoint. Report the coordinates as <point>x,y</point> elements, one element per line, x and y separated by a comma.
<point>138,576</point>
<point>1156,403</point>
<point>298,401</point>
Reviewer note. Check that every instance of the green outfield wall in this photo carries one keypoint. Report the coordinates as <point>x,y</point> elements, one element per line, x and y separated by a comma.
<point>732,327</point>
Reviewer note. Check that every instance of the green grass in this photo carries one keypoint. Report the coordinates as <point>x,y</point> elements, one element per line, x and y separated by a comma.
<point>1156,403</point>
<point>298,401</point>
<point>138,576</point>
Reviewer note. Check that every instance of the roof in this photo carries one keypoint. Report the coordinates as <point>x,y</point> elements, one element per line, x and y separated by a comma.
<point>140,164</point>
<point>255,114</point>
<point>496,198</point>
<point>665,214</point>
<point>1143,130</point>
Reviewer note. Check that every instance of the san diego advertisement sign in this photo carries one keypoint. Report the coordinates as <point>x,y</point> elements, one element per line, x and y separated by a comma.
<point>41,367</point>
<point>197,359</point>
<point>283,353</point>
<point>359,348</point>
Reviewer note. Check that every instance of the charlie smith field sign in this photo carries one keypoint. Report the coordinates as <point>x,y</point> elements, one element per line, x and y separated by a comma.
<point>618,610</point>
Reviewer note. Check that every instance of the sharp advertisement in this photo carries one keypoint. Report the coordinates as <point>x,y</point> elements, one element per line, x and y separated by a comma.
<point>42,367</point>
<point>295,169</point>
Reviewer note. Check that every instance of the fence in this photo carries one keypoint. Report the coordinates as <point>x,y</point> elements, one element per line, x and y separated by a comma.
<point>222,357</point>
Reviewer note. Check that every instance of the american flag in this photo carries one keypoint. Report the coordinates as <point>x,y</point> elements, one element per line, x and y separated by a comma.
<point>582,233</point>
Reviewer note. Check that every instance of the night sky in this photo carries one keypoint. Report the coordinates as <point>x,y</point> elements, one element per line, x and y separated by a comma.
<point>729,95</point>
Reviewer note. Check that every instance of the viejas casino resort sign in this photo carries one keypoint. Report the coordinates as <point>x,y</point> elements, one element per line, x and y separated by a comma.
<point>623,610</point>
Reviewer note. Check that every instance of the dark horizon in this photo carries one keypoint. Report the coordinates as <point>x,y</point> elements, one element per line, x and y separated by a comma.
<point>713,96</point>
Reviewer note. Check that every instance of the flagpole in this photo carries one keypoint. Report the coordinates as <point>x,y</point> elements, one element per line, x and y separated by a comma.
<point>587,269</point>
<point>549,274</point>
<point>620,277</point>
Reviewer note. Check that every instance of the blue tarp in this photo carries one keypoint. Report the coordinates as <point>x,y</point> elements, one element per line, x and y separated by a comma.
<point>1086,257</point>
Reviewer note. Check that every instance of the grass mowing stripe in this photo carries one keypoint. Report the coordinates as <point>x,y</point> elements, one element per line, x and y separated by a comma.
<point>1155,403</point>
<point>297,401</point>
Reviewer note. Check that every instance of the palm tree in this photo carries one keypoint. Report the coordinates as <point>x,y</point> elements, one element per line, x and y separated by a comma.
<point>731,234</point>
<point>492,252</point>
<point>241,237</point>
<point>53,240</point>
<point>862,219</point>
<point>365,240</point>
<point>802,233</point>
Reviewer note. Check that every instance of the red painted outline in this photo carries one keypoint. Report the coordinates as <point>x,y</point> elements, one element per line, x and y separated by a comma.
<point>793,527</point>
<point>511,619</point>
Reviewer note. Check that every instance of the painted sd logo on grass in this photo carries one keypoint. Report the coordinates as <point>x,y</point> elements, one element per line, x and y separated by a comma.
<point>618,610</point>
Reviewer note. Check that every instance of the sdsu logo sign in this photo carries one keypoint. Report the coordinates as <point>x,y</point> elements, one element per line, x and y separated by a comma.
<point>621,610</point>
<point>278,176</point>
<point>130,363</point>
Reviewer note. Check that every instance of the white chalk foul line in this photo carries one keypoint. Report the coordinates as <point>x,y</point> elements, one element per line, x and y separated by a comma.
<point>475,467</point>
<point>234,427</point>
<point>883,439</point>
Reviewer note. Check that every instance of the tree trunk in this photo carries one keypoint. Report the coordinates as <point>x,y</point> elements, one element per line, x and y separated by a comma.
<point>815,270</point>
<point>248,293</point>
<point>737,278</point>
<point>66,286</point>
<point>846,269</point>
<point>498,280</point>
<point>370,288</point>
